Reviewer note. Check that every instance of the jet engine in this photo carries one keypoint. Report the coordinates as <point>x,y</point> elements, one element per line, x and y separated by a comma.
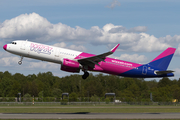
<point>70,66</point>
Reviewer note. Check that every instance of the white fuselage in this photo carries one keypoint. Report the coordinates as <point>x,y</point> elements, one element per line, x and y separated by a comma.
<point>41,51</point>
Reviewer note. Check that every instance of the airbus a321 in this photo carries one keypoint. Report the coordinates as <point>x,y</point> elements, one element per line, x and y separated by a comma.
<point>74,61</point>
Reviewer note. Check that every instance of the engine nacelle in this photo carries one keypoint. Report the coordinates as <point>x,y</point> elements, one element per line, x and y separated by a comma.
<point>70,66</point>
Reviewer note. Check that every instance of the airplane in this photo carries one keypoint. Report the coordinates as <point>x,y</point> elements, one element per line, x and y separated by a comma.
<point>74,61</point>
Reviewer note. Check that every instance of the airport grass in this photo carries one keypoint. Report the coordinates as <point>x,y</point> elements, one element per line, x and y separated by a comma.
<point>90,109</point>
<point>91,119</point>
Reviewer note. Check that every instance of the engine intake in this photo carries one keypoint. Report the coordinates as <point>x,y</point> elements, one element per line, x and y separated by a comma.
<point>70,66</point>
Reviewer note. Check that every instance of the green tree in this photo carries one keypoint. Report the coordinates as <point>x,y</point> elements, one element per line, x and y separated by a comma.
<point>40,95</point>
<point>164,82</point>
<point>56,92</point>
<point>151,84</point>
<point>6,86</point>
<point>27,98</point>
<point>94,98</point>
<point>73,97</point>
<point>126,96</point>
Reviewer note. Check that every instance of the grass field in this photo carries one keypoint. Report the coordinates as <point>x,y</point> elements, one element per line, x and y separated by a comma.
<point>89,119</point>
<point>89,109</point>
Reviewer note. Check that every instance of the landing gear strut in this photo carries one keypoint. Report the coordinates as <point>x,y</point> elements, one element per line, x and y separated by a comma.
<point>20,62</point>
<point>86,74</point>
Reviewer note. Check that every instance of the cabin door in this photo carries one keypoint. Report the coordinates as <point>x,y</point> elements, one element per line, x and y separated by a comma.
<point>56,55</point>
<point>23,45</point>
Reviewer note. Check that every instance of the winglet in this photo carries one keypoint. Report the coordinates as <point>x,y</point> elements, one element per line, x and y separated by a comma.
<point>114,49</point>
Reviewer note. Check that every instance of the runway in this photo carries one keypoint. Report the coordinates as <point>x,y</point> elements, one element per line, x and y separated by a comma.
<point>85,115</point>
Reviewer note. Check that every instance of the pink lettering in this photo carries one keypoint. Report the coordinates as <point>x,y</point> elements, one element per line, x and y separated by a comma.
<point>41,48</point>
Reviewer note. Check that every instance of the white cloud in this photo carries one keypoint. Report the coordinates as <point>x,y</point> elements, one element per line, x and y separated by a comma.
<point>130,40</point>
<point>176,73</point>
<point>31,26</point>
<point>78,48</point>
<point>73,47</point>
<point>132,58</point>
<point>27,64</point>
<point>5,54</point>
<point>9,61</point>
<point>42,65</point>
<point>121,29</point>
<point>62,44</point>
<point>36,28</point>
<point>177,70</point>
<point>149,43</point>
<point>178,50</point>
<point>138,29</point>
<point>173,40</point>
<point>113,4</point>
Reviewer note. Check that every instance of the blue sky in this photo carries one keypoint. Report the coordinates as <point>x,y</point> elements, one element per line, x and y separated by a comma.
<point>144,28</point>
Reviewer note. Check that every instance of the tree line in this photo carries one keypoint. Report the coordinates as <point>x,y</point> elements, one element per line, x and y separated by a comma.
<point>95,86</point>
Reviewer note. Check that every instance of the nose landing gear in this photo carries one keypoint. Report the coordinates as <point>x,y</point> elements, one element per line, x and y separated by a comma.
<point>20,62</point>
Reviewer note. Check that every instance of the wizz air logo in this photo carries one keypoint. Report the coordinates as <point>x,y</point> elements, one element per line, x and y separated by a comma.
<point>41,48</point>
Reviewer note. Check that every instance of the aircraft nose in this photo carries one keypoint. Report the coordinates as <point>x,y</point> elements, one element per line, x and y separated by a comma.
<point>5,47</point>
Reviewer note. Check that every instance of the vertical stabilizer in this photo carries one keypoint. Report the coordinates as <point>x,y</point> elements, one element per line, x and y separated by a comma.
<point>162,61</point>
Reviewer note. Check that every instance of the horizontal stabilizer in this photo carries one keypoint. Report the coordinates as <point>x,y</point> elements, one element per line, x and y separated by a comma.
<point>164,72</point>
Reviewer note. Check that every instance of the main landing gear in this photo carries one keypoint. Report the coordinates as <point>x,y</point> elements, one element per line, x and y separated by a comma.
<point>86,74</point>
<point>20,62</point>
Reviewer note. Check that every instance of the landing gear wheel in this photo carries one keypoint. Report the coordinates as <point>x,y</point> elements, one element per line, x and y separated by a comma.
<point>20,62</point>
<point>86,74</point>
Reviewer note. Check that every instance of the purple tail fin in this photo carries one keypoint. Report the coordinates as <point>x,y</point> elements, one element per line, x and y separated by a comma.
<point>162,61</point>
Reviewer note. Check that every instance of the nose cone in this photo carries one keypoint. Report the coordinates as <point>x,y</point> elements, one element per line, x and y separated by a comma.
<point>5,47</point>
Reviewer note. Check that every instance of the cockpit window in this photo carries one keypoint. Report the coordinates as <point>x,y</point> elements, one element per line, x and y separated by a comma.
<point>13,43</point>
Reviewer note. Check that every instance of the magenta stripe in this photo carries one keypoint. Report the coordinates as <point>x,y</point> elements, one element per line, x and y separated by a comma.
<point>119,66</point>
<point>167,52</point>
<point>112,66</point>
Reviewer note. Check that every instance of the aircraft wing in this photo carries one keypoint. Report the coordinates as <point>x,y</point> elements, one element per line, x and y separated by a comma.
<point>164,72</point>
<point>94,60</point>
